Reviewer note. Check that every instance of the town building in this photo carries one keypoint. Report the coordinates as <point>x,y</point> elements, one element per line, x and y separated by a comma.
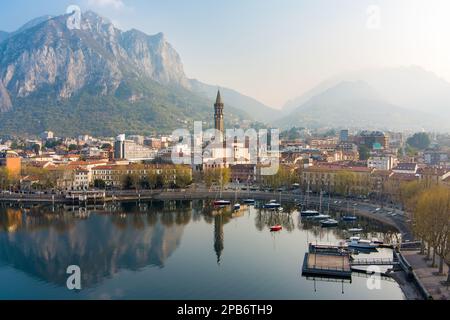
<point>11,161</point>
<point>113,175</point>
<point>383,162</point>
<point>373,140</point>
<point>435,157</point>
<point>327,177</point>
<point>130,150</point>
<point>406,168</point>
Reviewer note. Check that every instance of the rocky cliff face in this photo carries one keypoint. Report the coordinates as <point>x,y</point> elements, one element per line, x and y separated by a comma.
<point>48,56</point>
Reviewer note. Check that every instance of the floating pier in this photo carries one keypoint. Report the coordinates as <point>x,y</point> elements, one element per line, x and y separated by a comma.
<point>327,265</point>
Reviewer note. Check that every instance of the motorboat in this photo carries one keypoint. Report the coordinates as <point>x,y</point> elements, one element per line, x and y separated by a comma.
<point>222,203</point>
<point>329,223</point>
<point>376,241</point>
<point>249,201</point>
<point>309,213</point>
<point>237,206</point>
<point>355,230</point>
<point>276,228</point>
<point>349,218</point>
<point>320,217</point>
<point>273,204</point>
<point>357,242</point>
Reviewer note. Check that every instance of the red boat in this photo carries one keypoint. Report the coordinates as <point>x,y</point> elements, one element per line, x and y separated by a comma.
<point>276,228</point>
<point>221,203</point>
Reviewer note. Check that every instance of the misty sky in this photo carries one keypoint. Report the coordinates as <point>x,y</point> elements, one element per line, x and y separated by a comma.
<point>274,50</point>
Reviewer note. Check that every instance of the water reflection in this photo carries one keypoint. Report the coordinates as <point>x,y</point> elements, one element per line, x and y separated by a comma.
<point>42,241</point>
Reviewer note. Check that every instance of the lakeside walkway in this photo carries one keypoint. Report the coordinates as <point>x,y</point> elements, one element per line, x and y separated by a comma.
<point>427,275</point>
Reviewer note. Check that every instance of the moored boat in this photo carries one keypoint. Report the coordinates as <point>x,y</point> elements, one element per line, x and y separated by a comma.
<point>272,205</point>
<point>249,201</point>
<point>355,230</point>
<point>222,203</point>
<point>320,217</point>
<point>329,223</point>
<point>349,218</point>
<point>357,242</point>
<point>309,213</point>
<point>237,206</point>
<point>276,228</point>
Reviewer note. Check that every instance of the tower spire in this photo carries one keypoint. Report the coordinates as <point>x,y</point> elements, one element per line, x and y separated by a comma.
<point>218,114</point>
<point>219,97</point>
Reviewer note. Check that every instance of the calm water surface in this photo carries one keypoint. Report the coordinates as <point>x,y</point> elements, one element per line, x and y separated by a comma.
<point>171,250</point>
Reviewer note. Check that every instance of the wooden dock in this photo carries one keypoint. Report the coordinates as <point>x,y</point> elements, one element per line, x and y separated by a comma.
<point>327,265</point>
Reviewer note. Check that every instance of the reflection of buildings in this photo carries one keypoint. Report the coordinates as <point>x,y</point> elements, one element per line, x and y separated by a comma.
<point>218,236</point>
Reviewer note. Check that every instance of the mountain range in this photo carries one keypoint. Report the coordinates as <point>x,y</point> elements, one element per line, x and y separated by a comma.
<point>386,98</point>
<point>97,79</point>
<point>103,81</point>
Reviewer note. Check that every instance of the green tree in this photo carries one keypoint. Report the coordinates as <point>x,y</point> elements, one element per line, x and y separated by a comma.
<point>364,152</point>
<point>99,184</point>
<point>419,141</point>
<point>73,147</point>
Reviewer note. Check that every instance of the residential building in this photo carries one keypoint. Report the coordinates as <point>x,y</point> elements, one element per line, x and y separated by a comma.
<point>326,177</point>
<point>130,150</point>
<point>12,162</point>
<point>113,175</point>
<point>373,140</point>
<point>435,157</point>
<point>406,168</point>
<point>384,162</point>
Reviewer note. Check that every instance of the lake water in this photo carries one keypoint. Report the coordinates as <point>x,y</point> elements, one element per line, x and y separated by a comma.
<point>171,250</point>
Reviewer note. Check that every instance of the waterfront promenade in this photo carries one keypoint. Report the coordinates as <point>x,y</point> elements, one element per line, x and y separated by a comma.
<point>432,282</point>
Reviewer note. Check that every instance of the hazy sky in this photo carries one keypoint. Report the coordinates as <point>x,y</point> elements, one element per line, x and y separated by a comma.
<point>274,50</point>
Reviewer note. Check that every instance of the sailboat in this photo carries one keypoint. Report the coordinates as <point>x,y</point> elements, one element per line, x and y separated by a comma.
<point>349,217</point>
<point>237,205</point>
<point>221,202</point>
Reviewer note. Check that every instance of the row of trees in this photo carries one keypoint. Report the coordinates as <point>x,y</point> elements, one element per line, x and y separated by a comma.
<point>179,177</point>
<point>285,177</point>
<point>217,177</point>
<point>430,208</point>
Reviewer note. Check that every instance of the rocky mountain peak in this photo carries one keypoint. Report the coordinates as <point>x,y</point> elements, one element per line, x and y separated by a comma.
<point>48,55</point>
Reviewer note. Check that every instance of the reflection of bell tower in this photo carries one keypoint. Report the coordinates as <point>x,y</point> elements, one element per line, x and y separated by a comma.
<point>218,236</point>
<point>218,114</point>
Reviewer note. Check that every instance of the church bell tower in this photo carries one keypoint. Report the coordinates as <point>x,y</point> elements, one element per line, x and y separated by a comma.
<point>218,114</point>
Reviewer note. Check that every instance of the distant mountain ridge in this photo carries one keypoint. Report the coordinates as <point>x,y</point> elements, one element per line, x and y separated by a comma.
<point>423,97</point>
<point>356,104</point>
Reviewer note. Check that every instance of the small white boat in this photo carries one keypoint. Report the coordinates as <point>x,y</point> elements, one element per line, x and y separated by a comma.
<point>249,201</point>
<point>309,213</point>
<point>237,206</point>
<point>329,223</point>
<point>357,242</point>
<point>320,217</point>
<point>273,204</point>
<point>355,230</point>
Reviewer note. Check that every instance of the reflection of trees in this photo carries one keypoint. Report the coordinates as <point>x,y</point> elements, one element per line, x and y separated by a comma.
<point>101,245</point>
<point>266,218</point>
